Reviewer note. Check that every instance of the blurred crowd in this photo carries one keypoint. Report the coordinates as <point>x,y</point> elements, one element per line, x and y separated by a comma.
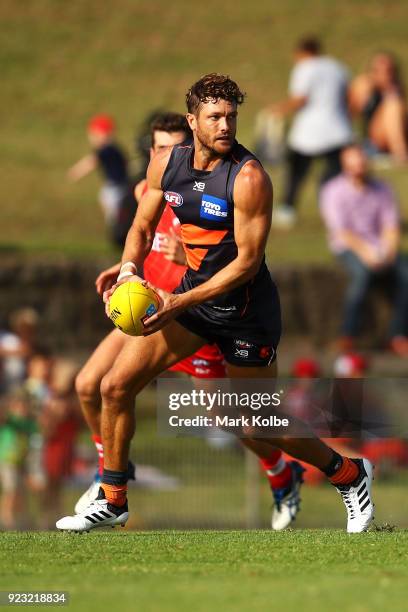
<point>360,213</point>
<point>347,124</point>
<point>40,419</point>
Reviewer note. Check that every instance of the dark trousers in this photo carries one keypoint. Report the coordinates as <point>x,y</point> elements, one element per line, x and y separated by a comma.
<point>297,166</point>
<point>360,279</point>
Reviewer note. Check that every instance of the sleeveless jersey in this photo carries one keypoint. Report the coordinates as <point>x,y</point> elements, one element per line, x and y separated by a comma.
<point>208,360</point>
<point>204,204</point>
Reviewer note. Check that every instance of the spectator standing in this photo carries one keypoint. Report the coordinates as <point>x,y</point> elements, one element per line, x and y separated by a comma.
<point>362,219</point>
<point>321,124</point>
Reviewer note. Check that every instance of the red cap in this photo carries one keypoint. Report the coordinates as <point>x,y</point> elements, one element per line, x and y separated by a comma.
<point>101,123</point>
<point>306,368</point>
<point>349,364</point>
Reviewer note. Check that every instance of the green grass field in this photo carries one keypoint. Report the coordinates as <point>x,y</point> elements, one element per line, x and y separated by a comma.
<point>61,62</point>
<point>221,571</point>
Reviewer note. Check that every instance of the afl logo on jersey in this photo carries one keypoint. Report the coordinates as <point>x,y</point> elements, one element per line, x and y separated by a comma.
<point>173,198</point>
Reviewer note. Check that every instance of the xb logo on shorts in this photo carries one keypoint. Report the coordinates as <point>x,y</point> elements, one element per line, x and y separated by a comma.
<point>198,186</point>
<point>242,348</point>
<point>173,198</point>
<point>212,208</point>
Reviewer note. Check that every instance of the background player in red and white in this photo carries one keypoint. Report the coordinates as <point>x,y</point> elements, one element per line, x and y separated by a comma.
<point>227,296</point>
<point>164,267</point>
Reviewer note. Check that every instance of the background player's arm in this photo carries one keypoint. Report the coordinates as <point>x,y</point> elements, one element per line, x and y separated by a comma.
<point>83,167</point>
<point>253,197</point>
<point>172,248</point>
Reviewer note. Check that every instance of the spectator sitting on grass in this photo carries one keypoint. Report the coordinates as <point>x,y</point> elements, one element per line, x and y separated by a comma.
<point>109,157</point>
<point>362,219</point>
<point>378,97</point>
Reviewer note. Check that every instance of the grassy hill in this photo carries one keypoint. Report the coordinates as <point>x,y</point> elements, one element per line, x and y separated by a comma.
<point>61,62</point>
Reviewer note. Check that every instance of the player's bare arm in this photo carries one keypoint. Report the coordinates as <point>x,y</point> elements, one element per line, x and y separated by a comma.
<point>139,190</point>
<point>253,196</point>
<point>139,240</point>
<point>140,236</point>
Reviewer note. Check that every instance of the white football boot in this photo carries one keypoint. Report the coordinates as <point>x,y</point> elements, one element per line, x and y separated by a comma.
<point>287,499</point>
<point>357,498</point>
<point>99,513</point>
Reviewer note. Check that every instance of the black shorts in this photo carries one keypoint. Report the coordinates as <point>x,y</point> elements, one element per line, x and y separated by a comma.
<point>247,334</point>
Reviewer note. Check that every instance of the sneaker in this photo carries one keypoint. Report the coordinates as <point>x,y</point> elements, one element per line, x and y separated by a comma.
<point>357,498</point>
<point>99,513</point>
<point>92,491</point>
<point>287,499</point>
<point>284,217</point>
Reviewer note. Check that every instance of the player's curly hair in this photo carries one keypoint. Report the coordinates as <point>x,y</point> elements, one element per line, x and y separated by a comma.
<point>213,87</point>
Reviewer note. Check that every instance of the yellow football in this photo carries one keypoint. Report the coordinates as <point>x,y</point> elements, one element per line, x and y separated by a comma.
<point>131,304</point>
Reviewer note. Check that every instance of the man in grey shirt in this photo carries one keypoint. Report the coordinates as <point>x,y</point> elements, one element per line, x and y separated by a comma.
<point>321,125</point>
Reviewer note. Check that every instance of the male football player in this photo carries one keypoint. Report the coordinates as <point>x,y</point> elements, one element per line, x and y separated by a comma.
<point>227,296</point>
<point>164,267</point>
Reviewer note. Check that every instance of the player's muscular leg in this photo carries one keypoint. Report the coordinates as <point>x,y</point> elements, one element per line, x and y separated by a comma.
<point>88,381</point>
<point>139,362</point>
<point>311,450</point>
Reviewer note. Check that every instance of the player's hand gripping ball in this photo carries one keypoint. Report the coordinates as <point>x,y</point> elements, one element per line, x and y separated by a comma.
<point>131,304</point>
